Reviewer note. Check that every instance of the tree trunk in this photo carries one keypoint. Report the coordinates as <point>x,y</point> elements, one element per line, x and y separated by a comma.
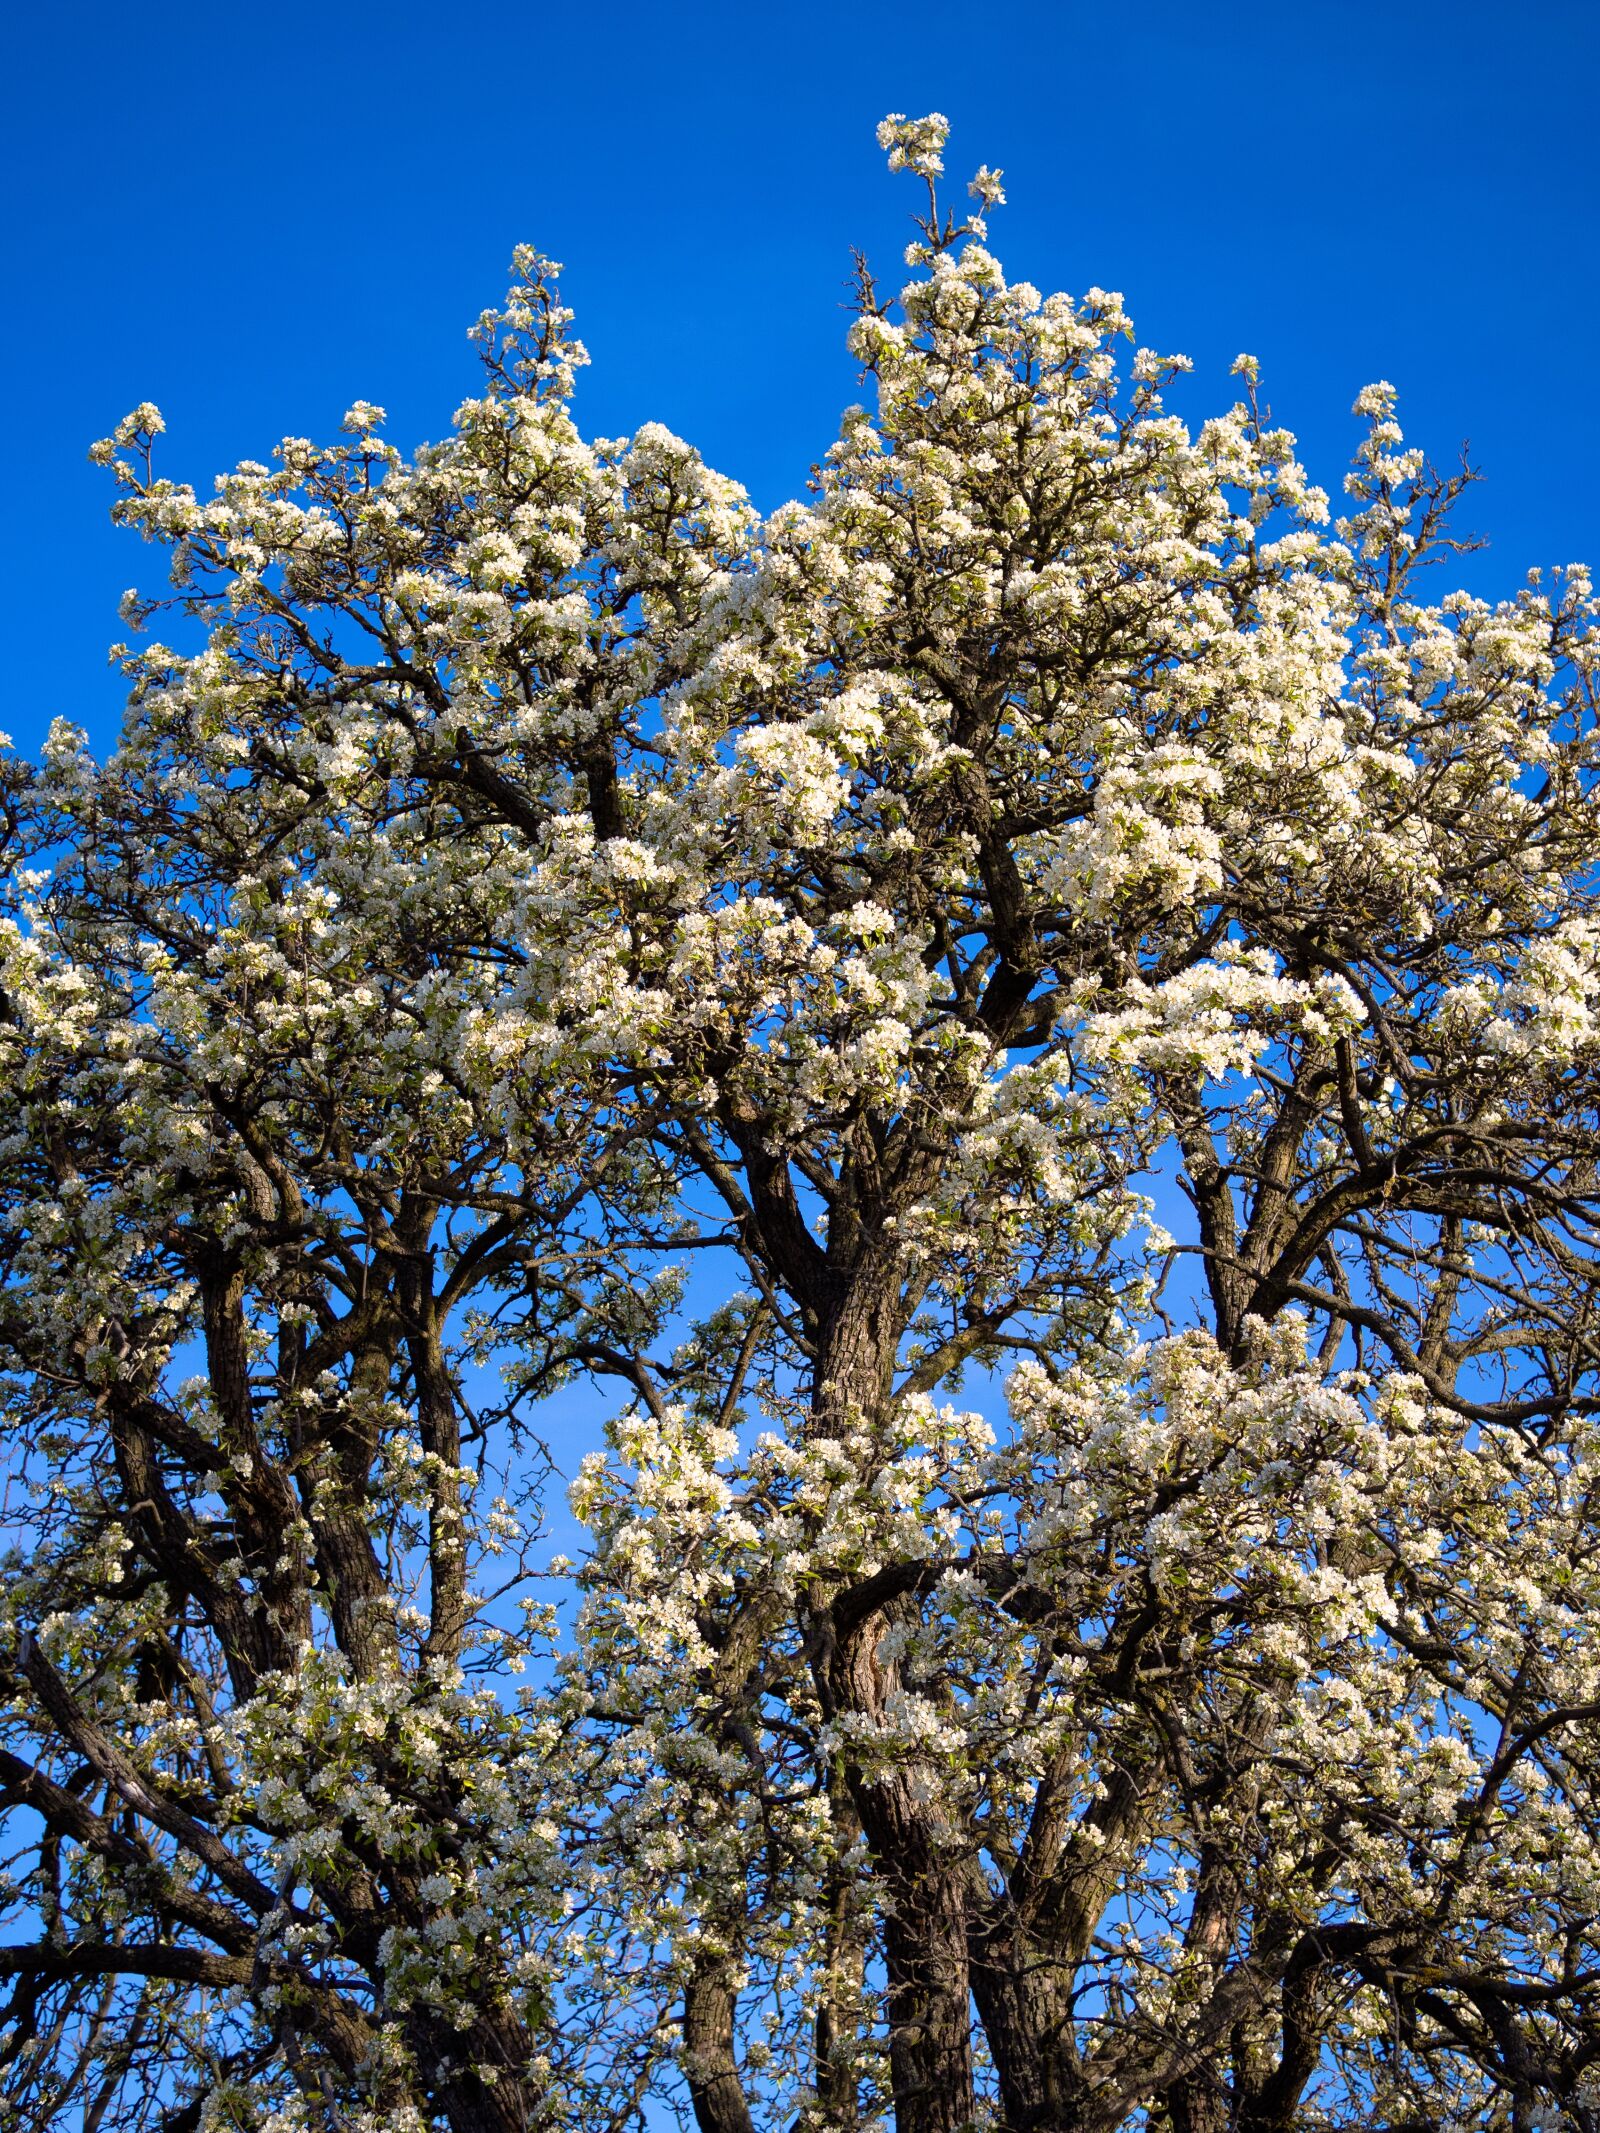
<point>709,2064</point>
<point>838,2022</point>
<point>924,1878</point>
<point>1027,2020</point>
<point>930,2017</point>
<point>926,1889</point>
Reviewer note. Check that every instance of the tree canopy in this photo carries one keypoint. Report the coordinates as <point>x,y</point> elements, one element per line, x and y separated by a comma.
<point>1031,1024</point>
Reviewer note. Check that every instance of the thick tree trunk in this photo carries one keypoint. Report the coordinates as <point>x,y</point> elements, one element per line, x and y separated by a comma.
<point>1027,2022</point>
<point>709,2064</point>
<point>836,2077</point>
<point>448,2060</point>
<point>924,1880</point>
<point>1199,2104</point>
<point>926,1887</point>
<point>930,2020</point>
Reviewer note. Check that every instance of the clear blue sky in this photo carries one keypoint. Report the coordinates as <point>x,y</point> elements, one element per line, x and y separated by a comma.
<point>256,214</point>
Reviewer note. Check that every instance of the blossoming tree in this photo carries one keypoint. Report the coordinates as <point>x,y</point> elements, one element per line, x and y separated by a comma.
<point>553,926</point>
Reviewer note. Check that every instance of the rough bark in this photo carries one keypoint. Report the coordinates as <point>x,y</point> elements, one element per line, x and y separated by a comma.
<point>709,2063</point>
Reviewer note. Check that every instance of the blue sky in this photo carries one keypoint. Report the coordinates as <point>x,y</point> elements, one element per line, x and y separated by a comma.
<point>256,215</point>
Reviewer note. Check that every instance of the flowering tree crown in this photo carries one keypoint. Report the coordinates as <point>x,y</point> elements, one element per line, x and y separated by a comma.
<point>553,926</point>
